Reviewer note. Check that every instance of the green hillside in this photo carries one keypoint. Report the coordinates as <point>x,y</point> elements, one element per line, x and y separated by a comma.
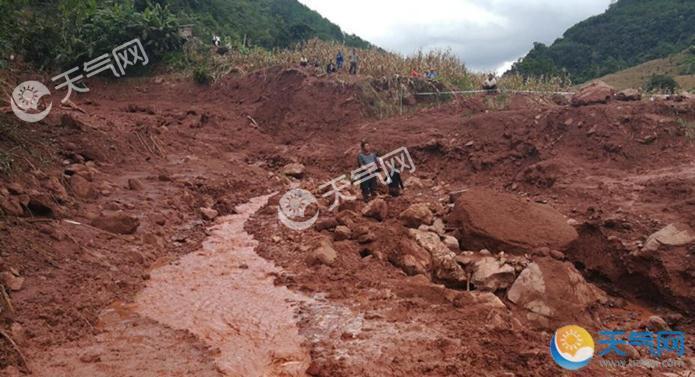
<point>58,34</point>
<point>267,23</point>
<point>630,32</point>
<point>680,66</point>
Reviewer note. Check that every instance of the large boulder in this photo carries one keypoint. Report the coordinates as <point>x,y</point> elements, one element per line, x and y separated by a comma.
<point>490,220</point>
<point>119,223</point>
<point>595,92</point>
<point>376,209</point>
<point>491,275</point>
<point>677,234</point>
<point>553,290</point>
<point>444,265</point>
<point>416,215</point>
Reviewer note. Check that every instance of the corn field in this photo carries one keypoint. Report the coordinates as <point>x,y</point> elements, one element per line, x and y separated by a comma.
<point>373,62</point>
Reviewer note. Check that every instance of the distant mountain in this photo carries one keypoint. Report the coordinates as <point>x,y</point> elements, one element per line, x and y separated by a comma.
<point>267,23</point>
<point>630,32</point>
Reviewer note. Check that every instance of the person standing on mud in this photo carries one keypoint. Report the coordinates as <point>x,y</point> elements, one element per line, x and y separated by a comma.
<point>367,157</point>
<point>353,62</point>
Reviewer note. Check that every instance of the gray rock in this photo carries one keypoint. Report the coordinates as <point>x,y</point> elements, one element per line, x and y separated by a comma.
<point>491,275</point>
<point>677,234</point>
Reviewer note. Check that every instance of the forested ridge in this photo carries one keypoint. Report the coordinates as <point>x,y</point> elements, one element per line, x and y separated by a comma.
<point>56,34</point>
<point>630,32</point>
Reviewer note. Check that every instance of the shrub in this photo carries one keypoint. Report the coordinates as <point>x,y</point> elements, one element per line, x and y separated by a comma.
<point>662,83</point>
<point>202,76</point>
<point>82,30</point>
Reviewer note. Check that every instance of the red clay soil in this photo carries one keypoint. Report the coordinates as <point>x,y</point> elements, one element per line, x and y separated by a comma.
<point>161,149</point>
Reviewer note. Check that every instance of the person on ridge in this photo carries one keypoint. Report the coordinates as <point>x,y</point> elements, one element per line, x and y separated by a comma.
<point>490,84</point>
<point>367,157</point>
<point>339,60</point>
<point>330,68</point>
<point>353,62</point>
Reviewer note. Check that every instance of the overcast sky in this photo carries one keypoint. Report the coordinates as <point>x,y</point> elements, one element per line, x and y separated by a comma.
<point>488,35</point>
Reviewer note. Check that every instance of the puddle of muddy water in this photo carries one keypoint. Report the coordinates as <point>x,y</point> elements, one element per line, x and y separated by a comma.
<point>224,294</point>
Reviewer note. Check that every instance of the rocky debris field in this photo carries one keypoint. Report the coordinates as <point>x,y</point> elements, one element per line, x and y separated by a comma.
<point>146,240</point>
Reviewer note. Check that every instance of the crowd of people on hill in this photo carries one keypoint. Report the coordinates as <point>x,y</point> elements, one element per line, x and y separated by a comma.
<point>490,84</point>
<point>338,64</point>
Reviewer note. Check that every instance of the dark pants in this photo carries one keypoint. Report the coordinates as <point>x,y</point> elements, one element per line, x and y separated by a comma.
<point>339,63</point>
<point>353,68</point>
<point>368,188</point>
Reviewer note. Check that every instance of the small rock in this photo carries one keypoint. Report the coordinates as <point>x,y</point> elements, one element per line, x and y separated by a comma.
<point>209,213</point>
<point>342,233</point>
<point>474,298</point>
<point>677,234</point>
<point>559,255</point>
<point>438,227</point>
<point>323,254</point>
<point>11,281</point>
<point>119,223</point>
<point>11,206</point>
<point>414,182</point>
<point>18,333</point>
<point>491,275</point>
<point>294,170</point>
<point>628,95</point>
<point>452,243</point>
<point>416,215</point>
<point>134,184</point>
<point>656,323</point>
<point>159,219</point>
<point>325,223</point>
<point>366,237</point>
<point>376,209</point>
<point>81,187</point>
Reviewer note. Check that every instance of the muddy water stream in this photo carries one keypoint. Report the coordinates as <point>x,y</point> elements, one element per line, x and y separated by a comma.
<point>224,295</point>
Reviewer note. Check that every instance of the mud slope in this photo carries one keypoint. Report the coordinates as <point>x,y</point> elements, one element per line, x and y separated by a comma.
<point>115,232</point>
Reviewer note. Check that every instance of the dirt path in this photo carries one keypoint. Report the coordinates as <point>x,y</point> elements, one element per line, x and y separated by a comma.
<point>223,295</point>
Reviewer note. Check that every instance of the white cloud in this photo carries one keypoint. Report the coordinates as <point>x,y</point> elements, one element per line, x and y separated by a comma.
<point>485,34</point>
